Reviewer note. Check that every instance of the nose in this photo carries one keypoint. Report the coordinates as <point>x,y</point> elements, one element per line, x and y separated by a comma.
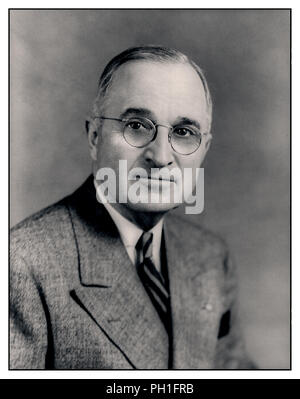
<point>159,152</point>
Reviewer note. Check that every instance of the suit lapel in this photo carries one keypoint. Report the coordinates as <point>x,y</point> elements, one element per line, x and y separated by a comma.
<point>110,290</point>
<point>195,298</point>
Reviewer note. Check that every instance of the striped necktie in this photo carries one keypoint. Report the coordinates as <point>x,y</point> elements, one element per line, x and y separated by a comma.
<point>152,280</point>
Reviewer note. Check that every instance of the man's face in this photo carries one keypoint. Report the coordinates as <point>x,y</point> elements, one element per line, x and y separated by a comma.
<point>166,93</point>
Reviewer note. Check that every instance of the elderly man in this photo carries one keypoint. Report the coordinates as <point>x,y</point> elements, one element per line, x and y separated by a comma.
<point>102,280</point>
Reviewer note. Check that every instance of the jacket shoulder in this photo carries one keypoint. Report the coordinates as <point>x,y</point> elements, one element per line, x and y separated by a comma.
<point>41,229</point>
<point>39,216</point>
<point>51,214</point>
<point>49,232</point>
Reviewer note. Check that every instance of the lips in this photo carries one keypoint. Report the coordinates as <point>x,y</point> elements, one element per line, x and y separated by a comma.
<point>154,176</point>
<point>155,180</point>
<point>161,179</point>
<point>158,178</point>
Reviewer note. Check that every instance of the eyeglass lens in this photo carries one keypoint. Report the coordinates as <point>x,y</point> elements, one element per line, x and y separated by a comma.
<point>139,132</point>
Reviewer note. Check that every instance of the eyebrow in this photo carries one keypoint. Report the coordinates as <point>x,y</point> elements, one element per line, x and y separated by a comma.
<point>188,121</point>
<point>146,113</point>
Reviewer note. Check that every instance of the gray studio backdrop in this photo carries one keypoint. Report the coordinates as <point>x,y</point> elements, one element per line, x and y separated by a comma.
<point>56,59</point>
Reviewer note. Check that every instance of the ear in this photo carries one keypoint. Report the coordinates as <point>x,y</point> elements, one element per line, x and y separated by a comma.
<point>92,135</point>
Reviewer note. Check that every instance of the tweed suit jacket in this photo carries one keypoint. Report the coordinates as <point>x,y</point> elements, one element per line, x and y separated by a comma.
<point>77,302</point>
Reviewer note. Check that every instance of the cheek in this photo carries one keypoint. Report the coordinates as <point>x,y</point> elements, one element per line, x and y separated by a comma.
<point>188,166</point>
<point>197,158</point>
<point>112,148</point>
<point>190,162</point>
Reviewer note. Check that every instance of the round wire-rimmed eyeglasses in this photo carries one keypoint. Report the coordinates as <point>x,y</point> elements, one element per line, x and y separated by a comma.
<point>139,132</point>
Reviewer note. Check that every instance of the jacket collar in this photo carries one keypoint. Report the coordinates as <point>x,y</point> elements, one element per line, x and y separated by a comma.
<point>195,295</point>
<point>111,291</point>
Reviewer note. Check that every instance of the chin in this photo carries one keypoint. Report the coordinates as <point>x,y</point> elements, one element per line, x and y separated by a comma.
<point>152,207</point>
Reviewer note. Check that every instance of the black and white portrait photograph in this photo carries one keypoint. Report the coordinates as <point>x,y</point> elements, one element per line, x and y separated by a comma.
<point>149,184</point>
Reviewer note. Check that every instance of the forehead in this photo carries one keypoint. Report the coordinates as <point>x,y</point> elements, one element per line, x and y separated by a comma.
<point>168,90</point>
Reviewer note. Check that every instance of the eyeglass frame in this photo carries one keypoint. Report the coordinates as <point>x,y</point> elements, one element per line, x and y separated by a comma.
<point>155,125</point>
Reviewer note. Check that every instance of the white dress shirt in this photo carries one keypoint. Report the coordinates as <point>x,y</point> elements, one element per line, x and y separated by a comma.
<point>130,233</point>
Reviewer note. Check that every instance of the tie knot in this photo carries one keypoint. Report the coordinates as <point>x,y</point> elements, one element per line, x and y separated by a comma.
<point>144,245</point>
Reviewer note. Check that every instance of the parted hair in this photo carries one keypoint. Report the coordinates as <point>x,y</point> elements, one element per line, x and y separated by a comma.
<point>146,53</point>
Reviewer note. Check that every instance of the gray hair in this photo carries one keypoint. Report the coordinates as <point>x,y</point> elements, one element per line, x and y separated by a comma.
<point>146,53</point>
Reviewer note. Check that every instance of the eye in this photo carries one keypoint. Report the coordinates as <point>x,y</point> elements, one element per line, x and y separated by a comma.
<point>140,126</point>
<point>183,131</point>
<point>135,125</point>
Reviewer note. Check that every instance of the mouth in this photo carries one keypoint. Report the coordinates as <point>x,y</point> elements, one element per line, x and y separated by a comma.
<point>160,178</point>
<point>154,176</point>
<point>155,180</point>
